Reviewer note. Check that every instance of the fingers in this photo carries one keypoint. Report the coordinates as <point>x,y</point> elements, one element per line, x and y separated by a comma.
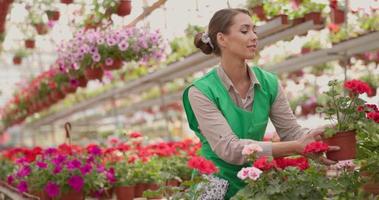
<point>334,148</point>
<point>326,161</point>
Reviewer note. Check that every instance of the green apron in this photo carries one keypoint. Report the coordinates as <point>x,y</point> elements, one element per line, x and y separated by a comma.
<point>245,124</point>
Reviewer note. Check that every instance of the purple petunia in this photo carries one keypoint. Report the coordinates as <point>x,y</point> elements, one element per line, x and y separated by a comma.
<point>24,171</point>
<point>41,165</point>
<point>76,183</point>
<point>96,57</point>
<point>109,61</point>
<point>58,160</point>
<point>52,189</point>
<point>10,180</point>
<point>22,187</point>
<point>57,169</point>
<point>123,46</point>
<point>86,169</point>
<point>73,164</point>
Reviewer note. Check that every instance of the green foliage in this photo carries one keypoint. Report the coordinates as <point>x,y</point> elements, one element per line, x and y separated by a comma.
<point>6,168</point>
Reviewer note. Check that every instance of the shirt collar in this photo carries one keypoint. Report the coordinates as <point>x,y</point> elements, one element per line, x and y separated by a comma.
<point>229,84</point>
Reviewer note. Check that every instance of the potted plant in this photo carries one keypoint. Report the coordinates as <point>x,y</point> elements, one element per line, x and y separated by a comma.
<point>342,109</point>
<point>313,11</point>
<point>319,70</point>
<point>53,15</point>
<point>67,1</point>
<point>124,7</point>
<point>17,58</point>
<point>256,7</point>
<point>337,11</point>
<point>373,81</point>
<point>312,44</point>
<point>125,185</point>
<point>369,23</point>
<point>30,43</point>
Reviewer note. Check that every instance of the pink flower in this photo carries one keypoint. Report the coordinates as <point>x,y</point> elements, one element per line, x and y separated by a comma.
<point>250,149</point>
<point>10,180</point>
<point>254,173</point>
<point>135,135</point>
<point>123,46</point>
<point>109,61</point>
<point>86,169</point>
<point>42,165</point>
<point>22,187</point>
<point>96,57</point>
<point>76,183</point>
<point>57,169</point>
<point>243,173</point>
<point>24,171</point>
<point>52,189</point>
<point>74,164</point>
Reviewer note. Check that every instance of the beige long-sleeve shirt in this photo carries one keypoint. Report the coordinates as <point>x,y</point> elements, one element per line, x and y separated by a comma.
<point>216,130</point>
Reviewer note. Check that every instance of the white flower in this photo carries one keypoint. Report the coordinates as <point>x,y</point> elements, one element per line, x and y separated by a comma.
<point>243,173</point>
<point>254,173</point>
<point>250,149</point>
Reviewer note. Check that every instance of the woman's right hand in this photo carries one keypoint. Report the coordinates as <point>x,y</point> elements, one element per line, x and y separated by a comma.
<point>315,135</point>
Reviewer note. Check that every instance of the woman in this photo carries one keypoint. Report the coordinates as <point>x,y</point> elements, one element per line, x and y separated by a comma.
<point>229,107</point>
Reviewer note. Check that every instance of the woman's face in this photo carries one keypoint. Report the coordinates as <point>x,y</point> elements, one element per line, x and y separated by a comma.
<point>241,40</point>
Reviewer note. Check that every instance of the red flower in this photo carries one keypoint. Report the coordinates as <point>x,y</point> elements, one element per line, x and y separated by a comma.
<point>301,163</point>
<point>372,107</point>
<point>203,165</point>
<point>333,27</point>
<point>316,147</point>
<point>264,164</point>
<point>374,116</point>
<point>135,135</point>
<point>358,87</point>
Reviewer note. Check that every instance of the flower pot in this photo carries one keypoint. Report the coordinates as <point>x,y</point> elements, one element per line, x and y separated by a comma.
<point>57,95</point>
<point>94,73</point>
<point>309,107</point>
<point>17,60</point>
<point>315,17</point>
<point>105,194</point>
<point>72,195</point>
<point>53,15</point>
<point>172,183</point>
<point>372,188</point>
<point>153,187</point>
<point>259,11</point>
<point>337,16</point>
<point>125,192</point>
<point>68,88</point>
<point>117,64</point>
<point>305,50</point>
<point>67,1</point>
<point>139,189</point>
<point>347,143</point>
<point>124,7</point>
<point>82,81</point>
<point>41,28</point>
<point>42,195</point>
<point>298,21</point>
<point>30,44</point>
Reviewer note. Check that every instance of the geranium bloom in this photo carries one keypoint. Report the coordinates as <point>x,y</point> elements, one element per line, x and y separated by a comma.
<point>316,147</point>
<point>251,148</point>
<point>135,135</point>
<point>301,163</point>
<point>358,87</point>
<point>374,116</point>
<point>264,164</point>
<point>252,173</point>
<point>52,189</point>
<point>76,183</point>
<point>94,149</point>
<point>243,173</point>
<point>203,165</point>
<point>22,187</point>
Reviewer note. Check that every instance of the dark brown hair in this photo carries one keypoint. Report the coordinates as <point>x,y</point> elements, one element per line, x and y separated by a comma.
<point>220,22</point>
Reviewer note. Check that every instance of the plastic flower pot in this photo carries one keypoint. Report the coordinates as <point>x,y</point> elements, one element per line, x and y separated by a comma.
<point>117,64</point>
<point>283,18</point>
<point>68,88</point>
<point>107,194</point>
<point>67,1</point>
<point>94,73</point>
<point>259,11</point>
<point>172,183</point>
<point>42,195</point>
<point>125,192</point>
<point>30,43</point>
<point>372,188</point>
<point>17,60</point>
<point>73,195</point>
<point>41,28</point>
<point>298,20</point>
<point>346,141</point>
<point>315,17</point>
<point>124,7</point>
<point>57,95</point>
<point>337,16</point>
<point>139,189</point>
<point>82,81</point>
<point>305,50</point>
<point>53,15</point>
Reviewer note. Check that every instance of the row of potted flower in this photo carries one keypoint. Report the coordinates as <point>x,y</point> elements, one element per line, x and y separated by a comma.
<point>72,172</point>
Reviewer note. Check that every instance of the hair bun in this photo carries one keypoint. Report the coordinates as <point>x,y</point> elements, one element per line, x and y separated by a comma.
<point>204,47</point>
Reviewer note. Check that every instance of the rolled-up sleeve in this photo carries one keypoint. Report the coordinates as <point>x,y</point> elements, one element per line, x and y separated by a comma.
<point>284,120</point>
<point>214,127</point>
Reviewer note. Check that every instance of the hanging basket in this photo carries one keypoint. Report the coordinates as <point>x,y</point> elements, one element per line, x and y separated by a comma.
<point>94,73</point>
<point>337,16</point>
<point>117,64</point>
<point>124,7</point>
<point>67,1</point>
<point>30,43</point>
<point>346,141</point>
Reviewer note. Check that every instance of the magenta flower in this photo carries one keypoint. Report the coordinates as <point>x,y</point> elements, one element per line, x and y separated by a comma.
<point>86,169</point>
<point>22,187</point>
<point>10,180</point>
<point>24,171</point>
<point>41,165</point>
<point>109,61</point>
<point>94,150</point>
<point>52,150</point>
<point>76,183</point>
<point>100,168</point>
<point>73,164</point>
<point>110,175</point>
<point>123,46</point>
<point>52,189</point>
<point>96,57</point>
<point>58,160</point>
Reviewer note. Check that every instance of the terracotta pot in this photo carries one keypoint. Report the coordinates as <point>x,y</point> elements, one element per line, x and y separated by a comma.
<point>107,194</point>
<point>372,188</point>
<point>42,195</point>
<point>41,28</point>
<point>17,60</point>
<point>30,44</point>
<point>305,50</point>
<point>259,11</point>
<point>124,7</point>
<point>125,192</point>
<point>139,189</point>
<point>117,64</point>
<point>94,73</point>
<point>172,183</point>
<point>67,1</point>
<point>73,195</point>
<point>153,187</point>
<point>337,16</point>
<point>315,17</point>
<point>283,18</point>
<point>347,143</point>
<point>68,88</point>
<point>298,21</point>
<point>82,81</point>
<point>53,15</point>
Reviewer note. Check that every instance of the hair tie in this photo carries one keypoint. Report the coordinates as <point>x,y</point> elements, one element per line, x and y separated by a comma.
<point>206,39</point>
